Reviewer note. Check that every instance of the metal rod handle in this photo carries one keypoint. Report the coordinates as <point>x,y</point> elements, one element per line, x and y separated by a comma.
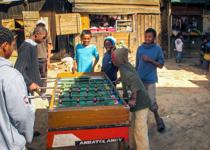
<point>35,97</point>
<point>47,78</point>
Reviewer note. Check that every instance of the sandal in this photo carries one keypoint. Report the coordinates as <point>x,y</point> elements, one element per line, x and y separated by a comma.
<point>160,125</point>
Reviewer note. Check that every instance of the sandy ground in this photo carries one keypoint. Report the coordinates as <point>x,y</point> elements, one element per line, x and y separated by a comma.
<point>184,99</point>
<point>183,94</point>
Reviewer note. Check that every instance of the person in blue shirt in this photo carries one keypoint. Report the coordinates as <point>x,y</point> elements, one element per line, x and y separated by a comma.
<point>149,57</point>
<point>107,65</point>
<point>85,54</point>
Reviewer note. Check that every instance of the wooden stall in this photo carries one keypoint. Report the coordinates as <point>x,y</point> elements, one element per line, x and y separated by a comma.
<point>189,17</point>
<point>126,20</point>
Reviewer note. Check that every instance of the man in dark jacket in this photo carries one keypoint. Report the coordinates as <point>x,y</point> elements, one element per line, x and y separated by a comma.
<point>27,62</point>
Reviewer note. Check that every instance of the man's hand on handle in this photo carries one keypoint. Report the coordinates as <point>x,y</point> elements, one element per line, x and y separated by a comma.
<point>34,87</point>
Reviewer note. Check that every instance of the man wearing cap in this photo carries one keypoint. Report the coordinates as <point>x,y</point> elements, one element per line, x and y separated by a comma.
<point>44,53</point>
<point>107,65</point>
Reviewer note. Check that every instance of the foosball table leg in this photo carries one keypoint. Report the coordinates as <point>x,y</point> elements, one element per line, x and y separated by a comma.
<point>121,146</point>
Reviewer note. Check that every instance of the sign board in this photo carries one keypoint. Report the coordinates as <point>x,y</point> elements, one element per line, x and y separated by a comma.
<point>103,141</point>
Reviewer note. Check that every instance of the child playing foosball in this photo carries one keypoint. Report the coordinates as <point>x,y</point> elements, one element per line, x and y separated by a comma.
<point>85,53</point>
<point>139,101</point>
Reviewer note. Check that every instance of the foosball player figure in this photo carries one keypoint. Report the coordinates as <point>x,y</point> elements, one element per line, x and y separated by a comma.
<point>94,100</point>
<point>86,95</point>
<point>60,101</point>
<point>139,101</point>
<point>87,89</point>
<point>78,100</point>
<point>70,90</point>
<point>78,90</point>
<point>96,89</point>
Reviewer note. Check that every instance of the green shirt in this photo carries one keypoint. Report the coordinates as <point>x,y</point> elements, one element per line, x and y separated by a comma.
<point>132,81</point>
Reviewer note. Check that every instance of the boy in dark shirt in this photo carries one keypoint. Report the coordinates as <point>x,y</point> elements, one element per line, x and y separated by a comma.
<point>107,65</point>
<point>139,101</point>
<point>149,57</point>
<point>27,62</point>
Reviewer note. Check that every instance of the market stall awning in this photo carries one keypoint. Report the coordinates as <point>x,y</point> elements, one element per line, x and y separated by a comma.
<point>10,1</point>
<point>191,1</point>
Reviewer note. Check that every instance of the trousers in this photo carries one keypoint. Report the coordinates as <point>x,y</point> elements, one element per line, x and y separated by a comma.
<point>138,134</point>
<point>43,73</point>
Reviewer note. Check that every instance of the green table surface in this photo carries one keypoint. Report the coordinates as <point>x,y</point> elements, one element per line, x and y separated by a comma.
<point>86,92</point>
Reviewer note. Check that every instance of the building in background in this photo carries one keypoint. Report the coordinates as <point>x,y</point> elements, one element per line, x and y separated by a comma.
<point>126,20</point>
<point>21,17</point>
<point>191,18</point>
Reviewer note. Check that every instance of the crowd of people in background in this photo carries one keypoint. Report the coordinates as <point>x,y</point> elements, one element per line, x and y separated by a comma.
<point>204,50</point>
<point>30,74</point>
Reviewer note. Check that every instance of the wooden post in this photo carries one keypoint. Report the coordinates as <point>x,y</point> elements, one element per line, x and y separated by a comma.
<point>121,145</point>
<point>169,28</point>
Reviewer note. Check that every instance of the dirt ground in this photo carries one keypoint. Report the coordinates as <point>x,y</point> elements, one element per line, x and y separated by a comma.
<point>183,94</point>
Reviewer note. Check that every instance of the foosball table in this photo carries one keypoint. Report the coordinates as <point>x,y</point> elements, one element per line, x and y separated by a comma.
<point>86,109</point>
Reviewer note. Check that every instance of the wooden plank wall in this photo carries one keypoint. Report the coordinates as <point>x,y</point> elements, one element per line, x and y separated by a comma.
<point>122,36</point>
<point>15,11</point>
<point>30,18</point>
<point>126,2</point>
<point>51,24</point>
<point>116,8</point>
<point>68,23</point>
<point>148,21</point>
<point>98,39</point>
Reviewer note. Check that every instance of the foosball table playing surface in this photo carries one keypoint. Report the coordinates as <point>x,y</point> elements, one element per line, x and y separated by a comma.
<point>86,109</point>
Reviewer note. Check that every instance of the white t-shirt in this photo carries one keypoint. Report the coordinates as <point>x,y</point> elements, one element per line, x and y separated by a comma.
<point>179,45</point>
